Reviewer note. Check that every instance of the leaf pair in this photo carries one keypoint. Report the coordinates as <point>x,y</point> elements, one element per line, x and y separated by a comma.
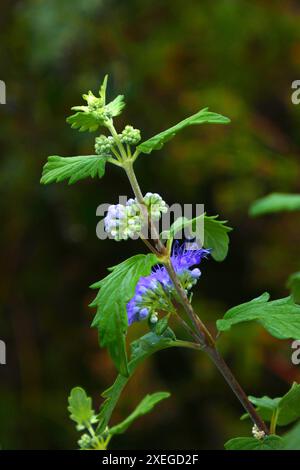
<point>99,113</point>
<point>285,409</point>
<point>80,408</point>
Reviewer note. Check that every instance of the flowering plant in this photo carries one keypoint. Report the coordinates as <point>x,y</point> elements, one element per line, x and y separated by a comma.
<point>157,286</point>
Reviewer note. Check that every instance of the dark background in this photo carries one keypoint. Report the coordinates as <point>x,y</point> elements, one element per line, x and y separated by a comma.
<point>170,59</point>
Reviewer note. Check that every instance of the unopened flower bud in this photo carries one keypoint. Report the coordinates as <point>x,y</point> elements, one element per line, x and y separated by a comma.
<point>156,205</point>
<point>130,136</point>
<point>103,144</point>
<point>153,318</point>
<point>85,441</point>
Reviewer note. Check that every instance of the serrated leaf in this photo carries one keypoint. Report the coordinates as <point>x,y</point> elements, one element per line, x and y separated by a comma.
<point>281,318</point>
<point>84,121</point>
<point>73,168</point>
<point>204,116</point>
<point>144,407</point>
<point>80,408</point>
<point>141,349</point>
<point>250,443</point>
<point>115,107</point>
<point>294,286</point>
<point>287,407</point>
<point>215,233</point>
<point>115,291</point>
<point>275,202</point>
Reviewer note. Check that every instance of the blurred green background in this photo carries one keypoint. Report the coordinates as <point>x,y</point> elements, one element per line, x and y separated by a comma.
<point>170,59</point>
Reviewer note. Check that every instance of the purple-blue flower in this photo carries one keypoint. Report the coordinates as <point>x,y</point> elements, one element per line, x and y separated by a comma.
<point>155,292</point>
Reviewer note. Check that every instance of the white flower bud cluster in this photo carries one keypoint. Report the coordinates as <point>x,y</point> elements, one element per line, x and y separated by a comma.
<point>130,136</point>
<point>155,205</point>
<point>125,221</point>
<point>257,433</point>
<point>103,144</point>
<point>122,222</point>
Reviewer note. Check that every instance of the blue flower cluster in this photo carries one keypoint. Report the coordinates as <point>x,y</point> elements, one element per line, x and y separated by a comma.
<point>155,292</point>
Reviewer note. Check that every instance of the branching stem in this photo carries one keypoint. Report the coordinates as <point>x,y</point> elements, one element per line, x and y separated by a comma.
<point>200,333</point>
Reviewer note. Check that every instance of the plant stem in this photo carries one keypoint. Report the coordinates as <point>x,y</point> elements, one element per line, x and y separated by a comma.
<point>186,326</point>
<point>208,344</point>
<point>274,421</point>
<point>219,362</point>
<point>159,246</point>
<point>114,133</point>
<point>148,244</point>
<point>204,338</point>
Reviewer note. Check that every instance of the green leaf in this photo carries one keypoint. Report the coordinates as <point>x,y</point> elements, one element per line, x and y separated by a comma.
<point>287,408</point>
<point>80,408</point>
<point>281,318</point>
<point>115,291</point>
<point>265,405</point>
<point>250,443</point>
<point>115,107</point>
<point>73,168</point>
<point>161,325</point>
<point>291,440</point>
<point>294,285</point>
<point>85,121</point>
<point>144,407</point>
<point>102,91</point>
<point>141,349</point>
<point>216,237</point>
<point>204,116</point>
<point>275,202</point>
<point>215,233</point>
